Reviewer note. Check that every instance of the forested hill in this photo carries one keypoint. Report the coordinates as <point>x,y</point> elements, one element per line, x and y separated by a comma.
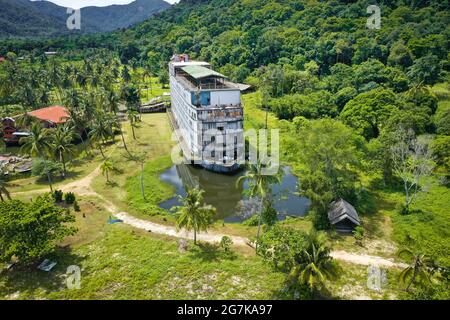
<point>24,18</point>
<point>252,33</point>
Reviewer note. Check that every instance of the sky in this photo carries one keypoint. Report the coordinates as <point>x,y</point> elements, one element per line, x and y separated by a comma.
<point>75,4</point>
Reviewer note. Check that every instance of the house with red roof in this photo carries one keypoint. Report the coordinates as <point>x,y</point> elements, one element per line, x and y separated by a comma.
<point>2,59</point>
<point>50,117</point>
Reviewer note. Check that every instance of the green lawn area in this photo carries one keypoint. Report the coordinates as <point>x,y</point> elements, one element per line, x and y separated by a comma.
<point>119,262</point>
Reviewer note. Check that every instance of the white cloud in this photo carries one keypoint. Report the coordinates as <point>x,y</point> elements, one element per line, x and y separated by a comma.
<point>76,4</point>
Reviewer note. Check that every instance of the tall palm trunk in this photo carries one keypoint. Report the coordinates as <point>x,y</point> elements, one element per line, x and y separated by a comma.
<point>123,140</point>
<point>101,150</point>
<point>63,161</point>
<point>195,235</point>
<point>49,177</point>
<point>132,129</point>
<point>259,224</point>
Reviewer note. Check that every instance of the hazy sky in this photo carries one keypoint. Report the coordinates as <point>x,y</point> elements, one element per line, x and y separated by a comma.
<point>75,4</point>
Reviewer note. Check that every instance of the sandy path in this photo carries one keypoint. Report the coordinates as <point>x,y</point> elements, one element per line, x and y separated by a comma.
<point>366,260</point>
<point>173,232</point>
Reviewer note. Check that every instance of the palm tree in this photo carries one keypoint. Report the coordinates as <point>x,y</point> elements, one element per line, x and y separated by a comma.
<point>133,117</point>
<point>314,265</point>
<point>420,267</point>
<point>38,143</point>
<point>3,185</point>
<point>259,186</point>
<point>62,144</point>
<point>194,214</point>
<point>106,167</point>
<point>79,124</point>
<point>99,133</point>
<point>112,100</point>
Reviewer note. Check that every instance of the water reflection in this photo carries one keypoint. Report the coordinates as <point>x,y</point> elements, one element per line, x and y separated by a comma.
<point>222,192</point>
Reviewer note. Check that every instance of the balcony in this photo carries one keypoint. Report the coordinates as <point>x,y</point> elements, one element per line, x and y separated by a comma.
<point>224,114</point>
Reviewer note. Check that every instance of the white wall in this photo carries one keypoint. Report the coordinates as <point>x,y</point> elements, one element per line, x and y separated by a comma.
<point>225,97</point>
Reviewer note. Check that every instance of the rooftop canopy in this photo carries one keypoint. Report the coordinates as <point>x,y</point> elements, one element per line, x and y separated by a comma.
<point>200,72</point>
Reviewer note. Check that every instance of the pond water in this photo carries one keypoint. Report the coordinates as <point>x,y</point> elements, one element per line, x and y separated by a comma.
<point>229,200</point>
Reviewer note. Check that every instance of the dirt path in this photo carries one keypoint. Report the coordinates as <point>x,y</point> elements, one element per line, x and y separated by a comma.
<point>366,260</point>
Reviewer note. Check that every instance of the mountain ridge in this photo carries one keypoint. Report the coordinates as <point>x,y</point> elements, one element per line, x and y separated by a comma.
<point>24,18</point>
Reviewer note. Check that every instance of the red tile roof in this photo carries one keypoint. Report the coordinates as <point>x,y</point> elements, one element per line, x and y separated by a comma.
<point>54,114</point>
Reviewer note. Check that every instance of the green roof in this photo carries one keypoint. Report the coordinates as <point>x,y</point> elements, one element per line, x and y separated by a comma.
<point>199,72</point>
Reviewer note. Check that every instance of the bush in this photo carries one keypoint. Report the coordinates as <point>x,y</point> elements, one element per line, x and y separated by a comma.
<point>76,206</point>
<point>58,196</point>
<point>226,243</point>
<point>70,198</point>
<point>320,220</point>
<point>358,233</point>
<point>269,215</point>
<point>30,231</point>
<point>252,221</point>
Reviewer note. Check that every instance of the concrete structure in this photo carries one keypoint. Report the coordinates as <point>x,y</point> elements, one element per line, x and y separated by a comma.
<point>208,113</point>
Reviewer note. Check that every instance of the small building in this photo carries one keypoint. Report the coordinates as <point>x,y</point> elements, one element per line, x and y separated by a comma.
<point>2,59</point>
<point>50,53</point>
<point>343,216</point>
<point>50,117</point>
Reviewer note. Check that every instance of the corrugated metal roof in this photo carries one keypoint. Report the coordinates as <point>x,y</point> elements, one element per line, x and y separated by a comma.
<point>200,72</point>
<point>340,210</point>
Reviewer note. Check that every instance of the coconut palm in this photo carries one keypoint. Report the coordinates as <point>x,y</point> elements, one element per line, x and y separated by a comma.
<point>62,144</point>
<point>260,186</point>
<point>314,265</point>
<point>420,268</point>
<point>106,167</point>
<point>38,143</point>
<point>133,117</point>
<point>194,214</point>
<point>112,100</point>
<point>99,133</point>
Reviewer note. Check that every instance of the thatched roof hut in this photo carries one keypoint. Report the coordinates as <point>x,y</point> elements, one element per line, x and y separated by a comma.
<point>343,216</point>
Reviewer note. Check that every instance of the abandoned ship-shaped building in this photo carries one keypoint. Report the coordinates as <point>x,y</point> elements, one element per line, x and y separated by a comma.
<point>208,115</point>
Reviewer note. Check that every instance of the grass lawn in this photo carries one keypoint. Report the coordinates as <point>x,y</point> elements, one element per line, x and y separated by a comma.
<point>118,262</point>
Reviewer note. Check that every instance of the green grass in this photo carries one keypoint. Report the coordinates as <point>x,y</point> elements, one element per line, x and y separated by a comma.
<point>121,263</point>
<point>155,190</point>
<point>352,284</point>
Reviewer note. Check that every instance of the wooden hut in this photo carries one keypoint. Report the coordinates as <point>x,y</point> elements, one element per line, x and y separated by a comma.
<point>343,216</point>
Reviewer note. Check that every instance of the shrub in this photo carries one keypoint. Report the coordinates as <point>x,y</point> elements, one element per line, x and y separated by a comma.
<point>320,220</point>
<point>226,243</point>
<point>358,233</point>
<point>70,198</point>
<point>252,221</point>
<point>269,215</point>
<point>76,206</point>
<point>58,196</point>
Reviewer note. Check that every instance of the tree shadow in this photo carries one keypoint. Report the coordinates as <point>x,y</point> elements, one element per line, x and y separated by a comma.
<point>208,252</point>
<point>28,279</point>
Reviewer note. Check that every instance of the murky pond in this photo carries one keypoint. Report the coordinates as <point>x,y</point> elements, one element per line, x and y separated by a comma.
<point>229,200</point>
